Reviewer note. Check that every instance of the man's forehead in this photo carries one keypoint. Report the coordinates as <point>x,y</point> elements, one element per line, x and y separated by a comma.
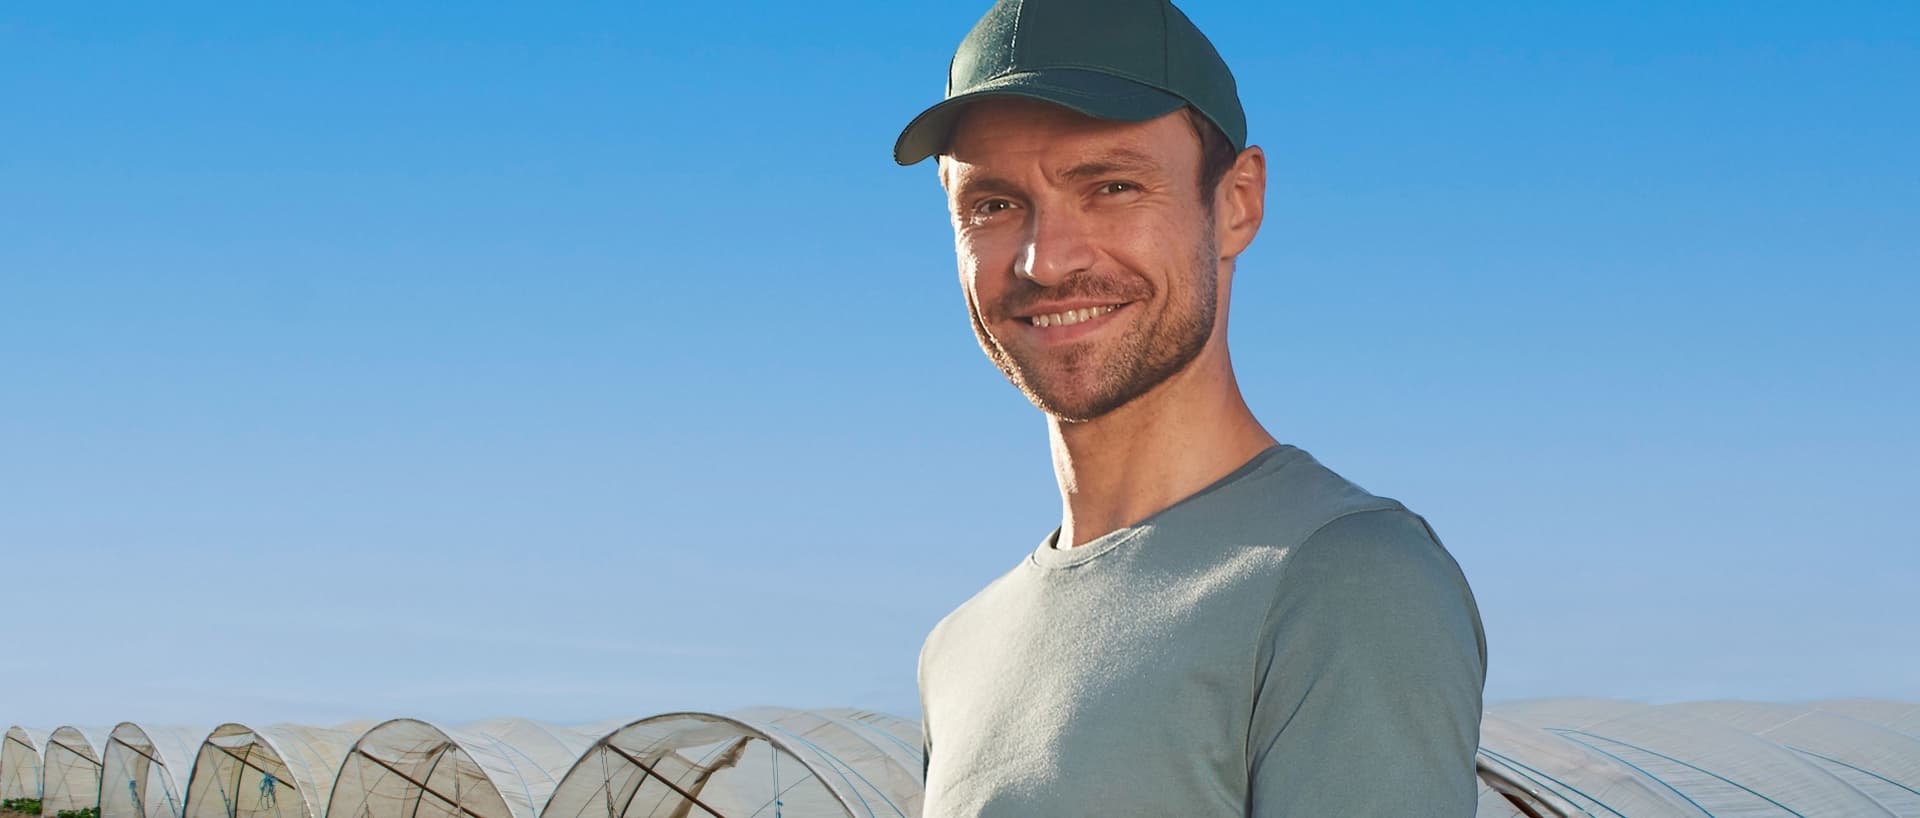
<point>993,134</point>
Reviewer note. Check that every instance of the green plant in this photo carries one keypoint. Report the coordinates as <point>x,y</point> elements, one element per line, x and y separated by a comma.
<point>83,812</point>
<point>30,806</point>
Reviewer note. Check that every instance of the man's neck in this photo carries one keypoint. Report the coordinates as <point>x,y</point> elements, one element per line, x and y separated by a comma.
<point>1160,448</point>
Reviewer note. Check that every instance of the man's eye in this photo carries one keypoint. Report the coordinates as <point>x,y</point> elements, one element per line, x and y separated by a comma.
<point>991,206</point>
<point>1119,187</point>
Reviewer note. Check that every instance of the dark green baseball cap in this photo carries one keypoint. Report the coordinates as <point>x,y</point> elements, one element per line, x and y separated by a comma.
<point>1127,60</point>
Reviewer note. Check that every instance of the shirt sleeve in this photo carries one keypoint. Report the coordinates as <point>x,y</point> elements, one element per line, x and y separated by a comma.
<point>1368,695</point>
<point>926,730</point>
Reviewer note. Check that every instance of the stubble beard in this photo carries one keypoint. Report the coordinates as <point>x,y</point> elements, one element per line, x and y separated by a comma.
<point>1123,368</point>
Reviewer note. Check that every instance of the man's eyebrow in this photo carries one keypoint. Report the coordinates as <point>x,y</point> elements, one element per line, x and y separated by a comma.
<point>1119,160</point>
<point>970,185</point>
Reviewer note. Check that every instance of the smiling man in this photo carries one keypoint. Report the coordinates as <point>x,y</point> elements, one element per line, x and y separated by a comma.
<point>1220,625</point>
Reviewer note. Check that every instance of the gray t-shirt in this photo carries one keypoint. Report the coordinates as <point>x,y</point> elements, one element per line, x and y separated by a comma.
<point>1281,643</point>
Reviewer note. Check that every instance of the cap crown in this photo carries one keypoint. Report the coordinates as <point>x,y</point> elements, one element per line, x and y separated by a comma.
<point>1147,41</point>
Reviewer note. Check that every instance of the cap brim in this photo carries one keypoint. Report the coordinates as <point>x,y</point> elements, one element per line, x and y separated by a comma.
<point>1094,93</point>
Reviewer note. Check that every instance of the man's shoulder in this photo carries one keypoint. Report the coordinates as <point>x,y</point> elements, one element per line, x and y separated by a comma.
<point>1285,501</point>
<point>1374,658</point>
<point>1338,537</point>
<point>982,603</point>
<point>1380,580</point>
<point>1392,546</point>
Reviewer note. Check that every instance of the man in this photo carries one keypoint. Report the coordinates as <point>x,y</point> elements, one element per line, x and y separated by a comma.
<point>1220,625</point>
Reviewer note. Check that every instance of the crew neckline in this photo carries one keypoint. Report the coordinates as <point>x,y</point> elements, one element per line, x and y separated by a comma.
<point>1047,556</point>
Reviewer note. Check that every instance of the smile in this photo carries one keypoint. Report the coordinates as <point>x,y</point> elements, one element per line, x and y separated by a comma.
<point>1061,319</point>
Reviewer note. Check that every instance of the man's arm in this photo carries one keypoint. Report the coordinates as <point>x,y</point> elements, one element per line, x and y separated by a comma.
<point>1368,701</point>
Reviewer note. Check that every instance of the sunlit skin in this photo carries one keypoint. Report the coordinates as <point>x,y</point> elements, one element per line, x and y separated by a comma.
<point>1053,211</point>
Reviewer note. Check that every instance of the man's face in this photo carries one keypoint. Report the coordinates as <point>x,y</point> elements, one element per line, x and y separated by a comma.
<point>1086,250</point>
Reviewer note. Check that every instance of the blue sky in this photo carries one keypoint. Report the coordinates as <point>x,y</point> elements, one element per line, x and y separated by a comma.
<point>366,360</point>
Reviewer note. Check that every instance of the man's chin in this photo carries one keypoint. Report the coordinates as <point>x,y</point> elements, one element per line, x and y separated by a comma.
<point>1068,391</point>
<point>1071,406</point>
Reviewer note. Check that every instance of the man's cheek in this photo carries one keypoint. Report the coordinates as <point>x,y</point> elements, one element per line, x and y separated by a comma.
<point>970,276</point>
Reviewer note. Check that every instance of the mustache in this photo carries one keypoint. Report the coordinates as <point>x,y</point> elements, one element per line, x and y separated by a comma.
<point>1027,294</point>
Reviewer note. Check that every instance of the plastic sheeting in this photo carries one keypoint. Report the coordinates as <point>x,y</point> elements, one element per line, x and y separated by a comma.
<point>1548,771</point>
<point>760,762</point>
<point>70,769</point>
<point>144,770</point>
<point>1881,763</point>
<point>20,758</point>
<point>1900,717</point>
<point>277,771</point>
<point>1565,757</point>
<point>1703,758</point>
<point>495,769</point>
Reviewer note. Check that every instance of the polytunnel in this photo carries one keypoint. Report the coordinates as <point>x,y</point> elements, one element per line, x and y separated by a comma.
<point>144,770</point>
<point>70,770</point>
<point>1900,717</point>
<point>760,762</point>
<point>277,771</point>
<point>1881,763</point>
<point>1520,764</point>
<point>20,758</point>
<point>1579,757</point>
<point>407,768</point>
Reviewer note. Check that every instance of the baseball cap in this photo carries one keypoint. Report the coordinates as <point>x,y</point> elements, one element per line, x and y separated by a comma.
<point>1127,60</point>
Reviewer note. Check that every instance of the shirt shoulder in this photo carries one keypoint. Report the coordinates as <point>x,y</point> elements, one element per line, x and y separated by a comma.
<point>1390,550</point>
<point>1381,577</point>
<point>1286,498</point>
<point>1375,659</point>
<point>982,604</point>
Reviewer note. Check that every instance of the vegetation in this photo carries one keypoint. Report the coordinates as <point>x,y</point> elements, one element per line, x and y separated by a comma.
<point>83,812</point>
<point>30,806</point>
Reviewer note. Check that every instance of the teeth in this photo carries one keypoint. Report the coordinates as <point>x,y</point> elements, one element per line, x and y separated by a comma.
<point>1061,319</point>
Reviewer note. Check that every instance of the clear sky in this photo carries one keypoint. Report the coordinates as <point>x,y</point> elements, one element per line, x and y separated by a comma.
<point>579,360</point>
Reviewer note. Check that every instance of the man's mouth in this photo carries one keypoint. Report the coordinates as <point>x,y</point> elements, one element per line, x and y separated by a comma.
<point>1061,319</point>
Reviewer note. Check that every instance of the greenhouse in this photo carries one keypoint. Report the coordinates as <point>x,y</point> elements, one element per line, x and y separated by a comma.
<point>70,770</point>
<point>144,770</point>
<point>1537,759</point>
<point>20,763</point>
<point>1581,757</point>
<point>763,762</point>
<point>277,771</point>
<point>495,769</point>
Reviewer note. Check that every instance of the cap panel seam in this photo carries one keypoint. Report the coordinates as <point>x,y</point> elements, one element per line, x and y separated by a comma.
<point>1166,49</point>
<point>1013,43</point>
<point>1076,94</point>
<point>1146,87</point>
<point>1096,69</point>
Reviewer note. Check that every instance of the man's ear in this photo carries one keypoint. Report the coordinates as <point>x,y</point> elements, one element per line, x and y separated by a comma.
<point>1240,202</point>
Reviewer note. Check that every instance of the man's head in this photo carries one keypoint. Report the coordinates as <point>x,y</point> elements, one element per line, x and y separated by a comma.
<point>1097,199</point>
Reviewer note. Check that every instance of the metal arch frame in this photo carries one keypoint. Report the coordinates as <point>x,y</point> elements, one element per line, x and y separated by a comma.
<point>333,793</point>
<point>878,738</point>
<point>92,756</point>
<point>306,795</point>
<point>749,727</point>
<point>1487,767</point>
<point>107,755</point>
<point>25,737</point>
<point>259,739</point>
<point>507,751</point>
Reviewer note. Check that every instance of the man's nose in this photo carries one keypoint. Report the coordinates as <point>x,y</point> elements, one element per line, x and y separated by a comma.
<point>1058,247</point>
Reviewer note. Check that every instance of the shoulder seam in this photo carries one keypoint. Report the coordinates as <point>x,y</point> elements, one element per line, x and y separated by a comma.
<point>1392,505</point>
